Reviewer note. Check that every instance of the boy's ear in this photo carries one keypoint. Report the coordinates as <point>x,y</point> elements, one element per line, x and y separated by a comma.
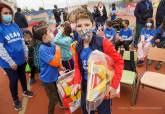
<point>44,37</point>
<point>94,24</point>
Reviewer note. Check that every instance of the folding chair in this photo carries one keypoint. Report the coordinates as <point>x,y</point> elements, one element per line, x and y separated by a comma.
<point>150,79</point>
<point>129,76</point>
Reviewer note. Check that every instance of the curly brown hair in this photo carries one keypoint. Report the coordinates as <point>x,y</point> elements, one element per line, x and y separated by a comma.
<point>39,30</point>
<point>67,28</point>
<point>84,14</point>
<point>72,15</point>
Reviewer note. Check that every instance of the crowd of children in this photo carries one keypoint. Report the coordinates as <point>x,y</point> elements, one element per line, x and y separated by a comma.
<point>49,53</point>
<point>81,29</point>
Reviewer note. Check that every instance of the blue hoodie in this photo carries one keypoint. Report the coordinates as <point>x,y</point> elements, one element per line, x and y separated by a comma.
<point>148,33</point>
<point>48,73</point>
<point>126,35</point>
<point>11,45</point>
<point>64,42</point>
<point>110,33</point>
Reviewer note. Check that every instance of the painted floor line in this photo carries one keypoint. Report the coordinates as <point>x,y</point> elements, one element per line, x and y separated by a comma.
<point>25,101</point>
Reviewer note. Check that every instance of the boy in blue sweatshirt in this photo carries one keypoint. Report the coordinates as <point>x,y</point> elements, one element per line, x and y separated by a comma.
<point>50,61</point>
<point>109,31</point>
<point>125,36</point>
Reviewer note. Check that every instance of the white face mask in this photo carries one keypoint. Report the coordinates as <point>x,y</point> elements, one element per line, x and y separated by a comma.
<point>85,34</point>
<point>148,24</point>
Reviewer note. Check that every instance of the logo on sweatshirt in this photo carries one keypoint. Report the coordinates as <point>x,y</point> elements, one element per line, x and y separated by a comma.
<point>13,37</point>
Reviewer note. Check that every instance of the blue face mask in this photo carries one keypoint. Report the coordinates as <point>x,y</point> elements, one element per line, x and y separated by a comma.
<point>7,18</point>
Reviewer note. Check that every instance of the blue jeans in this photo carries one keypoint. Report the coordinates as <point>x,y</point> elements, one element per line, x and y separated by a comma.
<point>104,108</point>
<point>14,76</point>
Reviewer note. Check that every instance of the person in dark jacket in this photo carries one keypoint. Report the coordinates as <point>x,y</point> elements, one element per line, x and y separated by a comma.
<point>57,15</point>
<point>143,11</point>
<point>20,19</point>
<point>160,40</point>
<point>94,13</point>
<point>65,14</point>
<point>101,14</point>
<point>160,13</point>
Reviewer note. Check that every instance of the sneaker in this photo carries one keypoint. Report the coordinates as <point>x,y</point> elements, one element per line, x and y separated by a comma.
<point>158,66</point>
<point>17,105</point>
<point>28,94</point>
<point>140,62</point>
<point>32,81</point>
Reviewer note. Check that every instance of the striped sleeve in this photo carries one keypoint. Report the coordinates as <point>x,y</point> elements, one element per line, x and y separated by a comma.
<point>5,56</point>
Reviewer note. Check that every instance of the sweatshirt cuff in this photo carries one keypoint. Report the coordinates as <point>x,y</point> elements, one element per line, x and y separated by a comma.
<point>11,62</point>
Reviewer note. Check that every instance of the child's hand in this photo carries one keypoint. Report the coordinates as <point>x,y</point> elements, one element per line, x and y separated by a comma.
<point>75,89</point>
<point>26,59</point>
<point>143,42</point>
<point>113,92</point>
<point>117,37</point>
<point>157,40</point>
<point>62,68</point>
<point>121,39</point>
<point>14,67</point>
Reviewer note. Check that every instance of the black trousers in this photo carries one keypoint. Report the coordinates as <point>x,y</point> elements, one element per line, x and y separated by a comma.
<point>124,43</point>
<point>33,71</point>
<point>14,76</point>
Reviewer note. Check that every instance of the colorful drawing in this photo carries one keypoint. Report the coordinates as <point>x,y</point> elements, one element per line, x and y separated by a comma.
<point>71,103</point>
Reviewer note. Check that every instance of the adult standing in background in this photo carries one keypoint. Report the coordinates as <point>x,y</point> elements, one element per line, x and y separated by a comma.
<point>101,14</point>
<point>143,11</point>
<point>20,20</point>
<point>160,13</point>
<point>13,54</point>
<point>65,14</point>
<point>94,13</point>
<point>57,15</point>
